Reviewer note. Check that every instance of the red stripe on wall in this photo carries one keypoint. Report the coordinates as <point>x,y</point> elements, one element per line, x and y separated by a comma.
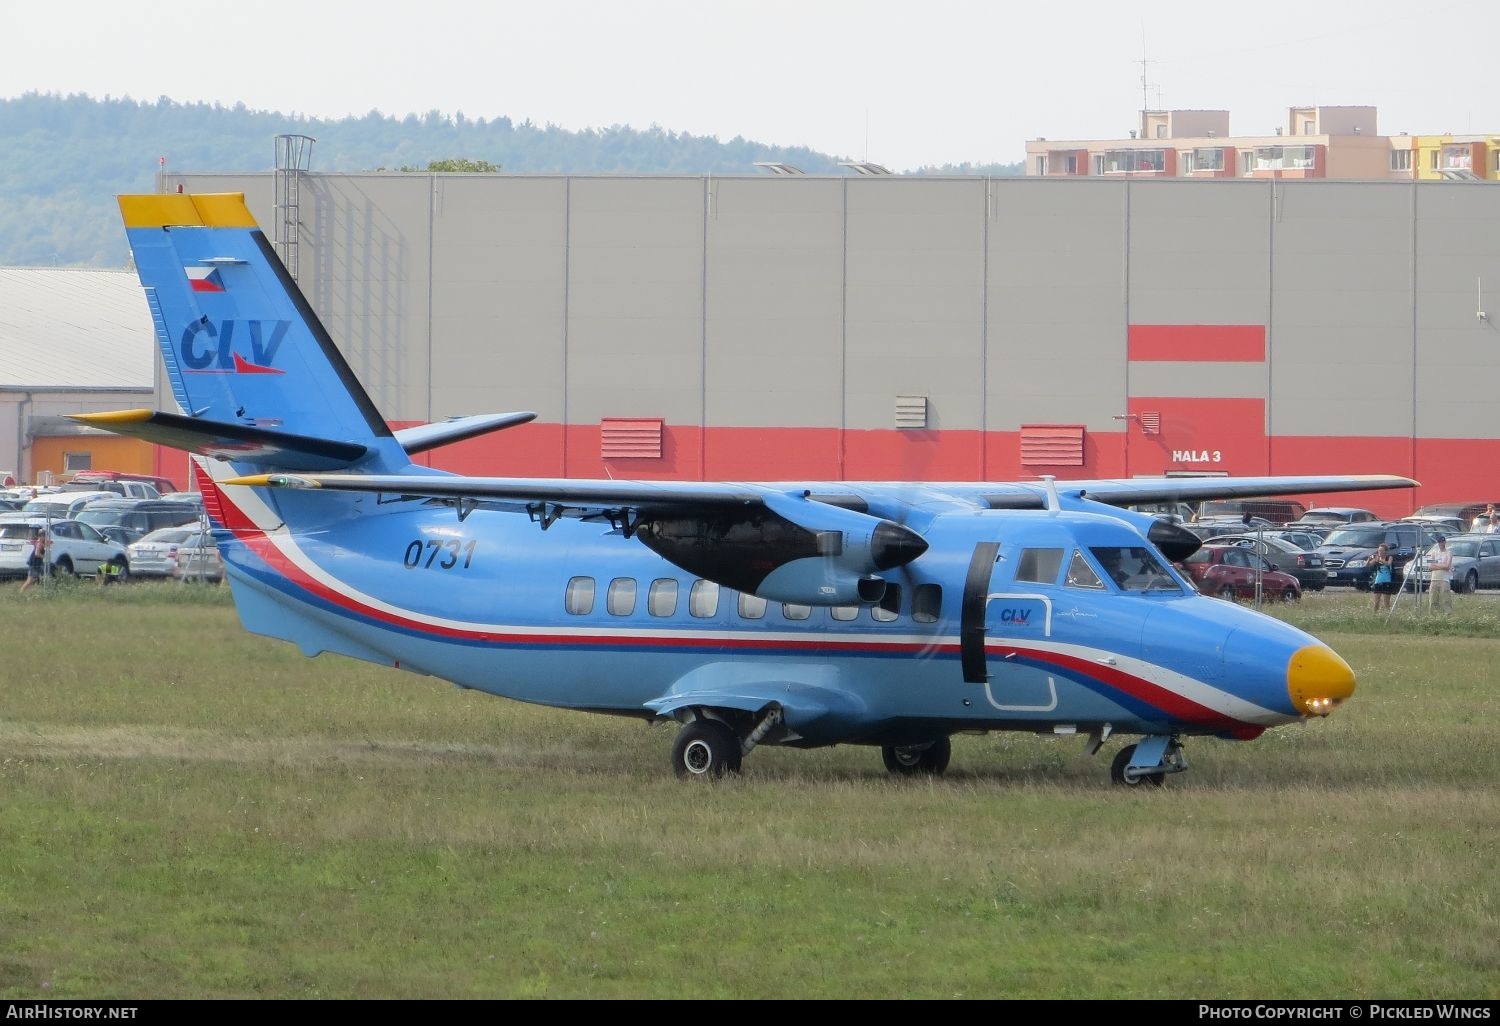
<point>1198,343</point>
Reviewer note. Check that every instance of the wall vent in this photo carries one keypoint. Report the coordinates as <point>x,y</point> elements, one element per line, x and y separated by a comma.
<point>1051,445</point>
<point>630,438</point>
<point>911,412</point>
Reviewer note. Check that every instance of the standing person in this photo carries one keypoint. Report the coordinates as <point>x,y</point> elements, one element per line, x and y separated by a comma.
<point>36,562</point>
<point>1489,523</point>
<point>1382,580</point>
<point>1440,569</point>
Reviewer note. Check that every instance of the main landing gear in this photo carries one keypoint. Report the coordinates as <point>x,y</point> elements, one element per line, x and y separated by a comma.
<point>707,747</point>
<point>1148,761</point>
<point>913,760</point>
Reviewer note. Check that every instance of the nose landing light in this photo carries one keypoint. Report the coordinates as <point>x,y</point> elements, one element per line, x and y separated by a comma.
<point>1317,680</point>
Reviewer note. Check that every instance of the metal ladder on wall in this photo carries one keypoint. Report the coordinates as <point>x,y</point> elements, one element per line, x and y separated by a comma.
<point>293,156</point>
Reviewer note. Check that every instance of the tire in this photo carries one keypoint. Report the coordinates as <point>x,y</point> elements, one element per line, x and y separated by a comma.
<point>1122,760</point>
<point>912,760</point>
<point>1291,596</point>
<point>705,749</point>
<point>1471,582</point>
<point>1227,593</point>
<point>63,567</point>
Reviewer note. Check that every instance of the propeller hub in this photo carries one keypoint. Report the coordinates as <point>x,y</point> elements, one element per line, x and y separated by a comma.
<point>892,545</point>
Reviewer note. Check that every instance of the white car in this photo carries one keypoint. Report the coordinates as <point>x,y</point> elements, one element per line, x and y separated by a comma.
<point>76,548</point>
<point>155,555</point>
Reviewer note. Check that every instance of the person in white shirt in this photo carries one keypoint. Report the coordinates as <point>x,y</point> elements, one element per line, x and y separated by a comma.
<point>1440,567</point>
<point>1488,522</point>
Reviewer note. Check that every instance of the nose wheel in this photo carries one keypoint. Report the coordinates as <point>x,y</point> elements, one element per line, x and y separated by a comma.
<point>1148,762</point>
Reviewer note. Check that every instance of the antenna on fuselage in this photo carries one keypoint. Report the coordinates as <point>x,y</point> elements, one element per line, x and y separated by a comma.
<point>1054,504</point>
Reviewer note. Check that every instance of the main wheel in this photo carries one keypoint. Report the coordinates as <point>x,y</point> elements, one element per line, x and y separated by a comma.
<point>1119,771</point>
<point>1471,582</point>
<point>910,760</point>
<point>705,748</point>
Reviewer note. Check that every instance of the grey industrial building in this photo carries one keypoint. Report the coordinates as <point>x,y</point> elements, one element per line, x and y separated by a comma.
<point>959,328</point>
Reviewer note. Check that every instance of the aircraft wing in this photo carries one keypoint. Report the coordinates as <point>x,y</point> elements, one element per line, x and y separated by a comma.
<point>1132,491</point>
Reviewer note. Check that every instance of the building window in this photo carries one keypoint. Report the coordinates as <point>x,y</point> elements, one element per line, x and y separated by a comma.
<point>1459,157</point>
<point>1432,160</point>
<point>1309,128</point>
<point>1188,162</point>
<point>1098,163</point>
<point>1209,158</point>
<point>1041,165</point>
<point>75,461</point>
<point>579,598</point>
<point>1401,160</point>
<point>1128,161</point>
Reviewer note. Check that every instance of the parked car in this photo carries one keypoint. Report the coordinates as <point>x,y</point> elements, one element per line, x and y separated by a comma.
<point>1304,540</point>
<point>1210,529</point>
<point>1476,563</point>
<point>1465,511</point>
<point>1306,566</point>
<point>63,505</point>
<point>1347,551</point>
<point>1275,511</point>
<point>1230,572</point>
<point>123,489</point>
<point>1455,524</point>
<point>198,558</point>
<point>155,555</point>
<point>160,484</point>
<point>196,498</point>
<point>1336,515</point>
<point>76,548</point>
<point>140,516</point>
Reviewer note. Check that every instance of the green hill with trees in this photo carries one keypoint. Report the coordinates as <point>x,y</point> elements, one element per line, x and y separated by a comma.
<point>63,159</point>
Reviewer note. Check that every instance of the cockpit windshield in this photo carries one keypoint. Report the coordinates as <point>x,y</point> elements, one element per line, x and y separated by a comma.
<point>1135,568</point>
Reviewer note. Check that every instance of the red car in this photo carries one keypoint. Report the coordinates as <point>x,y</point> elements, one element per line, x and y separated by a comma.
<point>1229,572</point>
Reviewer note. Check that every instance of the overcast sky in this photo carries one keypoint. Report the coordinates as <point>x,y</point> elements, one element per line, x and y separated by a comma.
<point>904,83</point>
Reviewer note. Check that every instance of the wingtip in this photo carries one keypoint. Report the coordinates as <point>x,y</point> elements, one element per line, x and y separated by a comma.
<point>112,417</point>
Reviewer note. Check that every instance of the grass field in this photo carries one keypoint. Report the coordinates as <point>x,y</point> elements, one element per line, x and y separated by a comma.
<point>189,811</point>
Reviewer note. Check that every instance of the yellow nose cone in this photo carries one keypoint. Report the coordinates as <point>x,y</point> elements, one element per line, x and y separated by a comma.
<point>1318,679</point>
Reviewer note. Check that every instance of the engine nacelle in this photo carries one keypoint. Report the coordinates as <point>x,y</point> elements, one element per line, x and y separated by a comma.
<point>791,550</point>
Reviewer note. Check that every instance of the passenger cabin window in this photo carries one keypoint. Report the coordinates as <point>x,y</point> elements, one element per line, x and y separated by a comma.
<point>579,599</point>
<point>889,607</point>
<point>752,607</point>
<point>1081,575</point>
<point>703,598</point>
<point>1039,565</point>
<point>661,600</point>
<point>795,611</point>
<point>843,612</point>
<point>621,600</point>
<point>926,603</point>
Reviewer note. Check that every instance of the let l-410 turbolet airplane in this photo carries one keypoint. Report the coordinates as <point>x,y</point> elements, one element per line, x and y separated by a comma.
<point>802,614</point>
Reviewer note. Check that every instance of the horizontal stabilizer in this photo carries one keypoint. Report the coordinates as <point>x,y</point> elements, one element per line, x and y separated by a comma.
<point>431,436</point>
<point>242,443</point>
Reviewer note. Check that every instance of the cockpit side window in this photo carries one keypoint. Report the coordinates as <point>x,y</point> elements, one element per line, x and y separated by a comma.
<point>1039,565</point>
<point>1081,575</point>
<point>1136,568</point>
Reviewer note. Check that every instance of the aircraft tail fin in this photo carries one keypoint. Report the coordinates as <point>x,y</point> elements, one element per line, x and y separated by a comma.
<point>257,377</point>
